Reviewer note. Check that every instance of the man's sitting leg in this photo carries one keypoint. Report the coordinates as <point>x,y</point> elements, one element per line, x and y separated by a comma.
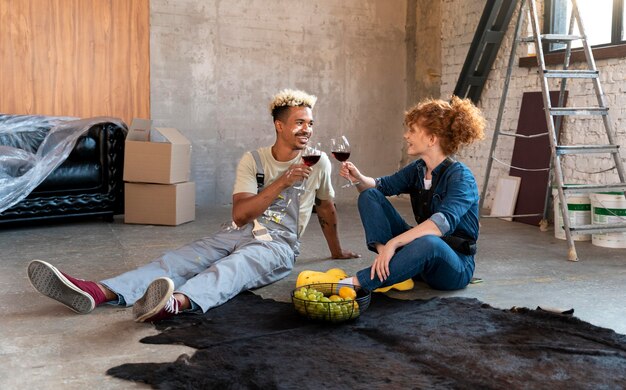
<point>82,296</point>
<point>159,302</point>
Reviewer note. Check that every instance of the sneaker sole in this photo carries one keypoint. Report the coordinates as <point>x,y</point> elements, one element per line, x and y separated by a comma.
<point>154,299</point>
<point>49,281</point>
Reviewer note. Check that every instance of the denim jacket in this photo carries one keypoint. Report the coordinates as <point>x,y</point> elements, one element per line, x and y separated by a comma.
<point>455,198</point>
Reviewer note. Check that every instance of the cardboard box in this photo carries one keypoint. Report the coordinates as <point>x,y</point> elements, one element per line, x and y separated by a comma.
<point>159,204</point>
<point>159,155</point>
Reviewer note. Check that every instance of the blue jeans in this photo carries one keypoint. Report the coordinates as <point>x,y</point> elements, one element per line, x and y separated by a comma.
<point>427,257</point>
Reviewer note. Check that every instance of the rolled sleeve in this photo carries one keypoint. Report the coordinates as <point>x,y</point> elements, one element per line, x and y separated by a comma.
<point>442,223</point>
<point>459,202</point>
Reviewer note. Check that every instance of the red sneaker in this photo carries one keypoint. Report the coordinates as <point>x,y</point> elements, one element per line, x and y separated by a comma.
<point>157,303</point>
<point>82,296</point>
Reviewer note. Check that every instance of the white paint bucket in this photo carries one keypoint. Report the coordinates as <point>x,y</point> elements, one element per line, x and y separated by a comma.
<point>608,207</point>
<point>579,210</point>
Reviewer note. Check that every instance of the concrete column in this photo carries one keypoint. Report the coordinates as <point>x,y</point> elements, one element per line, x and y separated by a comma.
<point>423,54</point>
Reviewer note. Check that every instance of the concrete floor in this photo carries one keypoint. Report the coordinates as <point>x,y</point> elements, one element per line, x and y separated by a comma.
<point>44,345</point>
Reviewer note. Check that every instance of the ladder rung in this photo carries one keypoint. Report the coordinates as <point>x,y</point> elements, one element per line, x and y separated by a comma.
<point>511,216</point>
<point>552,38</point>
<point>586,149</point>
<point>571,74</point>
<point>586,188</point>
<point>606,228</point>
<point>579,111</point>
<point>509,134</point>
<point>559,38</point>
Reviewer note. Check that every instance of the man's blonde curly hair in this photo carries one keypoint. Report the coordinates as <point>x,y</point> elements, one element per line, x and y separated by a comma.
<point>290,98</point>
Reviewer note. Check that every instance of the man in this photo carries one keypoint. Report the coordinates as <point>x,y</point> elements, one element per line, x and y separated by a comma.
<point>258,248</point>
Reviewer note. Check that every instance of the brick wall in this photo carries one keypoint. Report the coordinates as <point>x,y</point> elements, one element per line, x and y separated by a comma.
<point>460,18</point>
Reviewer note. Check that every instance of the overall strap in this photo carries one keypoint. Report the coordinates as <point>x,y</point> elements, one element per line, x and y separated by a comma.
<point>280,219</point>
<point>260,175</point>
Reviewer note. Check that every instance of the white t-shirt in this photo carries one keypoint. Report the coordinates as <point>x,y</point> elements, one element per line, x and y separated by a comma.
<point>318,184</point>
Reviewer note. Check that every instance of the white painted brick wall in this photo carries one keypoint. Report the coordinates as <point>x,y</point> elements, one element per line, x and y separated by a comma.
<point>460,18</point>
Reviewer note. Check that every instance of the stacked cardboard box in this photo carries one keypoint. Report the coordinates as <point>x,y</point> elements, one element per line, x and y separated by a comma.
<point>156,172</point>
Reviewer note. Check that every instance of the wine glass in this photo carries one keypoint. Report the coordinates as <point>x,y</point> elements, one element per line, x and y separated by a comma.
<point>310,156</point>
<point>341,151</point>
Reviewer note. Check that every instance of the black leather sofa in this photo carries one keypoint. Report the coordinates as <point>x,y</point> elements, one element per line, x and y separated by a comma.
<point>88,183</point>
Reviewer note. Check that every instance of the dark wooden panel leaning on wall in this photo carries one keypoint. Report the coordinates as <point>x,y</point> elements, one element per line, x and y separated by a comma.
<point>75,57</point>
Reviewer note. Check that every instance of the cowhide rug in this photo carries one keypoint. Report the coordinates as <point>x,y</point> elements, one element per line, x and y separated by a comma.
<point>441,343</point>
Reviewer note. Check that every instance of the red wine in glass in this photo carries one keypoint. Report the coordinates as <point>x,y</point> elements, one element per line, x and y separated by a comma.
<point>310,156</point>
<point>341,151</point>
<point>311,160</point>
<point>341,156</point>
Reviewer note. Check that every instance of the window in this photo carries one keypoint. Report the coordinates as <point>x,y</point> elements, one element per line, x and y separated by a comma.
<point>603,21</point>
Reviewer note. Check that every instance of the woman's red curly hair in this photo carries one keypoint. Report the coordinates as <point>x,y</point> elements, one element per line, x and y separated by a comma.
<point>456,123</point>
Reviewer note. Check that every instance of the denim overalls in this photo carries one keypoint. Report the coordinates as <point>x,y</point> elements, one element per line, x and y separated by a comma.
<point>214,269</point>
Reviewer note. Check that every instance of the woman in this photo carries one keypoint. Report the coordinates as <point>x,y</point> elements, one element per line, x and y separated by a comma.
<point>444,195</point>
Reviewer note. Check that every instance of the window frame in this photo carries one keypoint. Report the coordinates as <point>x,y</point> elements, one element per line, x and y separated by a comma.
<point>552,9</point>
<point>615,49</point>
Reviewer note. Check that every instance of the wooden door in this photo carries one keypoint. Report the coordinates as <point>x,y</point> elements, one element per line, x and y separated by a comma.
<point>79,58</point>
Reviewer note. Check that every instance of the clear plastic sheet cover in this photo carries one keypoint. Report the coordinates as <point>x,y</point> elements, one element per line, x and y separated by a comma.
<point>33,146</point>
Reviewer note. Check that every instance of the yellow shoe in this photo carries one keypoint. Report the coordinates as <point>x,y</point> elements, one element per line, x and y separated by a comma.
<point>333,275</point>
<point>402,286</point>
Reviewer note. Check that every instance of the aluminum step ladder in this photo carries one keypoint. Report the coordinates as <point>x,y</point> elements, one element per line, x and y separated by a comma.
<point>554,115</point>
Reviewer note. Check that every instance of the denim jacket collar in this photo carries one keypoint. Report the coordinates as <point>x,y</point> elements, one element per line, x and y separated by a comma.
<point>421,165</point>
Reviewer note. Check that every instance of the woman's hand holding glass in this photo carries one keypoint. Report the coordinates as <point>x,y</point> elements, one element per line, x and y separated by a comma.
<point>350,172</point>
